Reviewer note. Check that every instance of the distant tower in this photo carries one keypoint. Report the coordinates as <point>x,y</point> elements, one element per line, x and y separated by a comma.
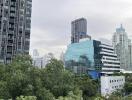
<point>35,53</point>
<point>38,61</point>
<point>48,58</point>
<point>122,47</point>
<point>62,57</point>
<point>78,30</point>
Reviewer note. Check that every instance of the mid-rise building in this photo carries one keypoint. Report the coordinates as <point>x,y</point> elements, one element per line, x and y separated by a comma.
<point>123,48</point>
<point>110,84</point>
<point>41,62</point>
<point>91,55</point>
<point>48,57</point>
<point>78,30</point>
<point>15,24</point>
<point>35,53</point>
<point>37,60</point>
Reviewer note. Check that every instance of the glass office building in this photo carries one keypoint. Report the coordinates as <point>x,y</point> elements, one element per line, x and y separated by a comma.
<point>91,55</point>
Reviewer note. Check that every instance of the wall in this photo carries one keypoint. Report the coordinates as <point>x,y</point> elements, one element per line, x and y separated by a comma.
<point>110,84</point>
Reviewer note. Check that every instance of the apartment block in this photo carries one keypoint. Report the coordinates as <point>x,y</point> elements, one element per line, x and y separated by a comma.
<point>15,25</point>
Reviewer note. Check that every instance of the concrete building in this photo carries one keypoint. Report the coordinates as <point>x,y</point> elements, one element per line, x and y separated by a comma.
<point>109,59</point>
<point>124,71</point>
<point>48,57</point>
<point>91,55</point>
<point>110,84</point>
<point>41,62</point>
<point>130,55</point>
<point>15,24</point>
<point>35,53</point>
<point>78,30</point>
<point>123,48</point>
<point>37,60</point>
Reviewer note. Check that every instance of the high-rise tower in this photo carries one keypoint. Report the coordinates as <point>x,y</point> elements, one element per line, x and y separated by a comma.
<point>15,24</point>
<point>122,47</point>
<point>78,30</point>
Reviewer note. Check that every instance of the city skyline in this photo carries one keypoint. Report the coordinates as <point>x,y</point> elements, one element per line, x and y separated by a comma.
<point>51,31</point>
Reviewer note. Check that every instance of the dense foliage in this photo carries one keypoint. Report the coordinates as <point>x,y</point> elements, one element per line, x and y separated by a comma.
<point>53,82</point>
<point>128,84</point>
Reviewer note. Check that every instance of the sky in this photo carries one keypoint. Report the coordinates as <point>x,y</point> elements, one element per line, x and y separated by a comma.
<point>51,21</point>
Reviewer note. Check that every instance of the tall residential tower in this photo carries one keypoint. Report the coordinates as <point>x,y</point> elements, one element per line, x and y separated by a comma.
<point>123,48</point>
<point>15,24</point>
<point>78,30</point>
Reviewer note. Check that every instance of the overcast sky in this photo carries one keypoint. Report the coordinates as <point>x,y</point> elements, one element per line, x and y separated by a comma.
<point>51,21</point>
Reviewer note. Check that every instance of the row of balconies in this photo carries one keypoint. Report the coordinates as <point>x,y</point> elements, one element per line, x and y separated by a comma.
<point>13,3</point>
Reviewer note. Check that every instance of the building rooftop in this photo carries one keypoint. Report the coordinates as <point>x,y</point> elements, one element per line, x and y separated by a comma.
<point>121,29</point>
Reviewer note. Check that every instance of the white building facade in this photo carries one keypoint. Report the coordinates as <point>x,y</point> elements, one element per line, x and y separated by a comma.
<point>110,84</point>
<point>37,60</point>
<point>110,62</point>
<point>41,62</point>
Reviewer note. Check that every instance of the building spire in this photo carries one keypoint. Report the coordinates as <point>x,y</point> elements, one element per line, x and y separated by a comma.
<point>121,26</point>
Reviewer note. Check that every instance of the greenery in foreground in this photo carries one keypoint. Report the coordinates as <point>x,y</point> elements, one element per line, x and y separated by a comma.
<point>51,83</point>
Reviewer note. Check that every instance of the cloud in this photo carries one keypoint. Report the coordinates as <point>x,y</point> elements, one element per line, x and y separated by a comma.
<point>51,21</point>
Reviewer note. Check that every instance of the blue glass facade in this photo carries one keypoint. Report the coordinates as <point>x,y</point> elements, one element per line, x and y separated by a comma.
<point>94,74</point>
<point>77,51</point>
<point>84,57</point>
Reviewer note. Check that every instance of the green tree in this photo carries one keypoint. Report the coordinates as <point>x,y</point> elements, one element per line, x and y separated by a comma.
<point>44,94</point>
<point>26,98</point>
<point>58,80</point>
<point>16,75</point>
<point>22,78</point>
<point>128,87</point>
<point>72,96</point>
<point>4,93</point>
<point>89,87</point>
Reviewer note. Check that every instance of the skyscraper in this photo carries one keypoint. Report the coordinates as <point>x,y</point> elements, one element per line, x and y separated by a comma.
<point>123,48</point>
<point>15,24</point>
<point>78,30</point>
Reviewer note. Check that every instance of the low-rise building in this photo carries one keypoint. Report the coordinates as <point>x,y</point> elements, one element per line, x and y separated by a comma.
<point>110,84</point>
